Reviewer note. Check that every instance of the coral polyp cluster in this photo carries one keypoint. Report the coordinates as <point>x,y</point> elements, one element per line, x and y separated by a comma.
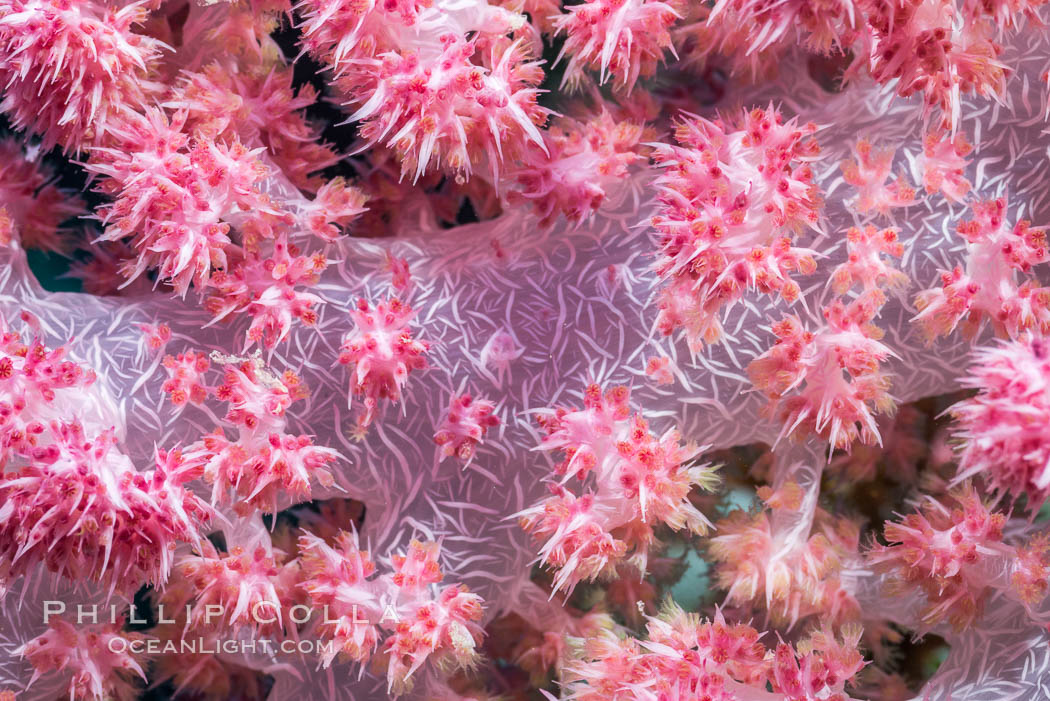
<point>462,350</point>
<point>1002,427</point>
<point>421,624</point>
<point>381,353</point>
<point>98,658</point>
<point>72,499</point>
<point>733,201</point>
<point>987,289</point>
<point>639,480</point>
<point>834,373</point>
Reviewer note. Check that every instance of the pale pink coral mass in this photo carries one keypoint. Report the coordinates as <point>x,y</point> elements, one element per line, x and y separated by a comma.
<point>461,350</point>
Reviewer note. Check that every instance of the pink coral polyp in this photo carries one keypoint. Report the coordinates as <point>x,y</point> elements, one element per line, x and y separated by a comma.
<point>732,199</point>
<point>382,353</point>
<point>465,426</point>
<point>997,286</point>
<point>420,622</point>
<point>71,69</point>
<point>633,481</point>
<point>98,657</point>
<point>1005,428</point>
<point>71,499</point>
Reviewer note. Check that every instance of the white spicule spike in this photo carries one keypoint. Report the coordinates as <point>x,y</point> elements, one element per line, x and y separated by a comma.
<point>568,324</point>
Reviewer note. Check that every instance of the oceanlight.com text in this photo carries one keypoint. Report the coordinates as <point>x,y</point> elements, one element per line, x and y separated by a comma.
<point>201,646</point>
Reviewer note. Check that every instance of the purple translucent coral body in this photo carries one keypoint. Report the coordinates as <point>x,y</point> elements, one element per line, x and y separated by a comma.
<point>526,318</point>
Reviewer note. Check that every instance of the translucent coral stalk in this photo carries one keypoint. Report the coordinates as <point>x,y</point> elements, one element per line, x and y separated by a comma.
<point>793,573</point>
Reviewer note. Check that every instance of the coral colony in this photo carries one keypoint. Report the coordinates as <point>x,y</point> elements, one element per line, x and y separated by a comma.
<point>615,350</point>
